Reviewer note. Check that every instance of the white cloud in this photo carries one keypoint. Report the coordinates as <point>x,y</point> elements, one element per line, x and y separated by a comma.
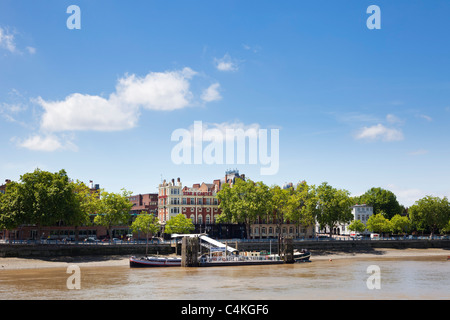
<point>211,93</point>
<point>31,50</point>
<point>393,119</point>
<point>428,118</point>
<point>408,196</point>
<point>156,91</point>
<point>225,63</point>
<point>47,143</point>
<point>86,112</point>
<point>379,131</point>
<point>7,40</point>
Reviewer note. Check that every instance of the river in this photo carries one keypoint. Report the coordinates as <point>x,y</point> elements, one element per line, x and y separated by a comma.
<point>406,278</point>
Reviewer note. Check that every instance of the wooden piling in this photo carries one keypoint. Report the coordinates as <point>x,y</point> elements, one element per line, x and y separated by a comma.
<point>189,251</point>
<point>288,249</point>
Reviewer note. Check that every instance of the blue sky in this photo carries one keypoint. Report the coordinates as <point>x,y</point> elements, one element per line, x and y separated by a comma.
<point>355,107</point>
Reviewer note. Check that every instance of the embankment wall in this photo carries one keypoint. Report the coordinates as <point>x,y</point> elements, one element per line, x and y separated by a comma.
<point>50,250</point>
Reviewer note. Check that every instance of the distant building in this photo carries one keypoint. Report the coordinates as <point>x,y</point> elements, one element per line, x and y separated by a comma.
<point>360,212</point>
<point>198,203</point>
<point>147,203</point>
<point>3,186</point>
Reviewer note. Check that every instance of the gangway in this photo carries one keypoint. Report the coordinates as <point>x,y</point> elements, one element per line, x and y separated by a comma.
<point>205,238</point>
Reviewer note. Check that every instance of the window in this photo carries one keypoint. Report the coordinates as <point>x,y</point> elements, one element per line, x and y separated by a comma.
<point>200,201</point>
<point>184,201</point>
<point>216,202</point>
<point>200,219</point>
<point>208,219</point>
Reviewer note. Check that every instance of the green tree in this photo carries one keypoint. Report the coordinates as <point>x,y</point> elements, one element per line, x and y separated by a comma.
<point>12,213</point>
<point>400,224</point>
<point>244,202</point>
<point>146,223</point>
<point>378,223</point>
<point>179,224</point>
<point>113,210</point>
<point>302,206</point>
<point>334,206</point>
<point>85,203</point>
<point>40,198</point>
<point>279,206</point>
<point>430,212</point>
<point>357,226</point>
<point>382,200</point>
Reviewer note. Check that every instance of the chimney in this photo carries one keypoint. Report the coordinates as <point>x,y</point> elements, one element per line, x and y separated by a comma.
<point>91,184</point>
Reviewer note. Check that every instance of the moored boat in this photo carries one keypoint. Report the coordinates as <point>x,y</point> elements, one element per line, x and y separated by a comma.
<point>151,261</point>
<point>302,256</point>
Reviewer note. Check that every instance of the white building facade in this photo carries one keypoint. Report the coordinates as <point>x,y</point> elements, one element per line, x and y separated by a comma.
<point>360,212</point>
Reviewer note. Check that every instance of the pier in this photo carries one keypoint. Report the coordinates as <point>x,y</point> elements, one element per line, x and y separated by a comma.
<point>220,254</point>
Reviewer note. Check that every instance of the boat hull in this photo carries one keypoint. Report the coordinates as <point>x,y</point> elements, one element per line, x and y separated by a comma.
<point>154,262</point>
<point>304,257</point>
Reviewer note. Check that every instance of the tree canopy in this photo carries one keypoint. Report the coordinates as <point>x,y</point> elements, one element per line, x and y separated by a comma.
<point>381,200</point>
<point>113,209</point>
<point>334,206</point>
<point>431,213</point>
<point>179,224</point>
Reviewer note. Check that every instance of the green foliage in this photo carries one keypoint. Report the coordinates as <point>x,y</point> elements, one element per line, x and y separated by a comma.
<point>334,206</point>
<point>378,223</point>
<point>146,223</point>
<point>302,205</point>
<point>40,198</point>
<point>179,224</point>
<point>357,226</point>
<point>431,213</point>
<point>244,202</point>
<point>400,224</point>
<point>113,209</point>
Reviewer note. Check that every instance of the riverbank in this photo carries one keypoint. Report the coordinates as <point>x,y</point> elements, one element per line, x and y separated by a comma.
<point>122,260</point>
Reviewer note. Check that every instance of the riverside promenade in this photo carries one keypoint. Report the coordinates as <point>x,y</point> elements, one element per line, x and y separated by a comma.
<point>53,249</point>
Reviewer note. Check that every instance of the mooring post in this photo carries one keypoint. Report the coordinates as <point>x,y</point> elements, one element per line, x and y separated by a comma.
<point>288,250</point>
<point>189,252</point>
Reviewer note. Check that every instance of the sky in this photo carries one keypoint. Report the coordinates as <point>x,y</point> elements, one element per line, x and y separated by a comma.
<point>103,89</point>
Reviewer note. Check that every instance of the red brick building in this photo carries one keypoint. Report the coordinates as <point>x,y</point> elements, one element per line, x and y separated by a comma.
<point>147,203</point>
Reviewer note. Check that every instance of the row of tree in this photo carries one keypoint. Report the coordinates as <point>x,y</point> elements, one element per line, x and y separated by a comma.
<point>430,214</point>
<point>303,204</point>
<point>42,198</point>
<point>247,202</point>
